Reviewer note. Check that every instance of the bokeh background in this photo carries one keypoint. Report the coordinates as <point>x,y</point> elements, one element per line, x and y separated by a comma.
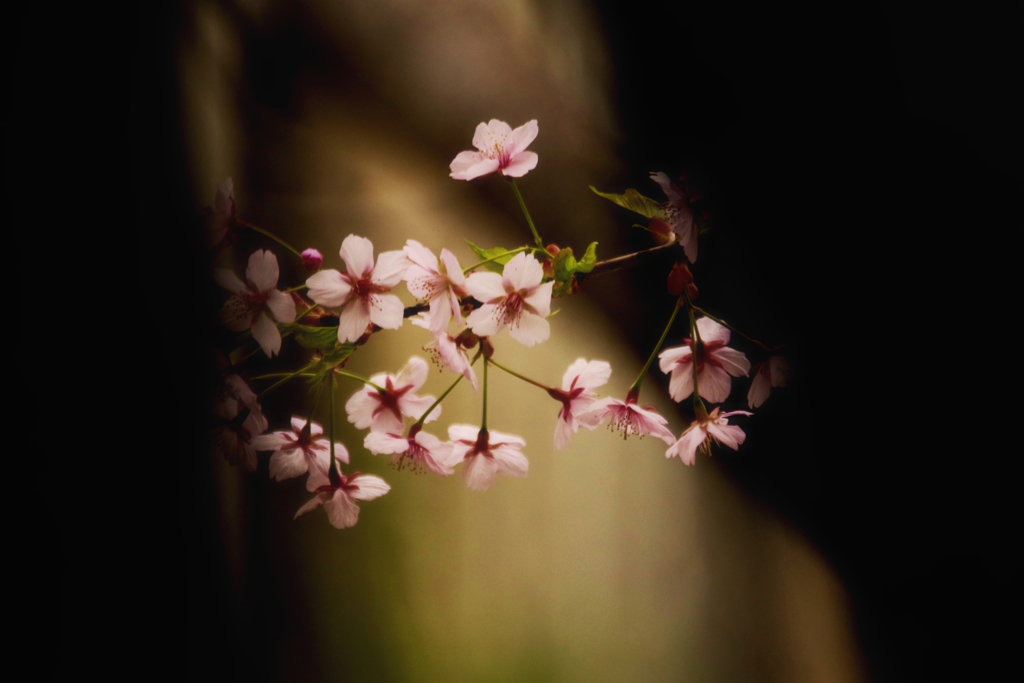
<point>853,166</point>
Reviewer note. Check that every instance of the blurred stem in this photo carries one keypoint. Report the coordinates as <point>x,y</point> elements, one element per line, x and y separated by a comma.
<point>635,389</point>
<point>281,381</point>
<point>526,212</point>
<point>483,422</point>
<point>635,259</point>
<point>267,233</point>
<point>358,379</point>
<point>332,472</point>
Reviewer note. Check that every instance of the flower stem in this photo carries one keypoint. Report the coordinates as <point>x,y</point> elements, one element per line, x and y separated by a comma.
<point>268,375</point>
<point>635,259</point>
<point>316,399</point>
<point>332,472</point>
<point>495,258</point>
<point>522,205</point>
<point>358,379</point>
<point>516,374</point>
<point>483,422</point>
<point>635,389</point>
<point>764,346</point>
<point>296,288</point>
<point>282,381</point>
<point>267,233</point>
<point>436,403</point>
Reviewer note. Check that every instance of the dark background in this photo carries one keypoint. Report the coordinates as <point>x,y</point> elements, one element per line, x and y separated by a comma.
<point>862,166</point>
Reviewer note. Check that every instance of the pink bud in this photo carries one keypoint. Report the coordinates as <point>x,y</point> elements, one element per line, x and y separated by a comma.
<point>311,260</point>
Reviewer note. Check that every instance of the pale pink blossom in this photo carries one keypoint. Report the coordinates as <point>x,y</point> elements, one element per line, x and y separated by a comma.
<point>252,300</point>
<point>515,299</point>
<point>629,419</point>
<point>715,428</point>
<point>222,218</point>
<point>363,290</point>
<point>578,398</point>
<point>440,283</point>
<point>772,373</point>
<point>486,454</point>
<point>312,259</point>
<point>419,451</point>
<point>239,420</point>
<point>338,497</point>
<point>715,362</point>
<point>298,451</point>
<point>447,352</point>
<point>500,149</point>
<point>680,215</point>
<point>383,411</point>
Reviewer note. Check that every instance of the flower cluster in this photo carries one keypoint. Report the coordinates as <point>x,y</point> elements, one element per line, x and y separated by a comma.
<point>464,311</point>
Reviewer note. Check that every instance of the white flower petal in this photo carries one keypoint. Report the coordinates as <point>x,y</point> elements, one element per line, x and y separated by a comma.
<point>281,305</point>
<point>391,267</point>
<point>266,334</point>
<point>485,287</point>
<point>479,472</point>
<point>357,253</point>
<point>329,288</point>
<point>370,487</point>
<point>355,318</point>
<point>262,271</point>
<point>229,281</point>
<point>530,329</point>
<point>521,164</point>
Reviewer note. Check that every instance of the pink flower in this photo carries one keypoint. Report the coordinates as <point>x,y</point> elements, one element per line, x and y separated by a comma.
<point>501,149</point>
<point>680,216</point>
<point>629,419</point>
<point>439,283</point>
<point>773,373</point>
<point>419,451</point>
<point>383,412</point>
<point>253,299</point>
<point>716,428</point>
<point>715,362</point>
<point>578,399</point>
<point>298,451</point>
<point>486,454</point>
<point>312,260</point>
<point>363,291</point>
<point>515,299</point>
<point>239,421</point>
<point>339,497</point>
<point>447,352</point>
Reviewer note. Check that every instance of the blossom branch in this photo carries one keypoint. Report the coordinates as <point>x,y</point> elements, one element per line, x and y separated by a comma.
<point>516,374</point>
<point>634,390</point>
<point>419,423</point>
<point>629,260</point>
<point>267,233</point>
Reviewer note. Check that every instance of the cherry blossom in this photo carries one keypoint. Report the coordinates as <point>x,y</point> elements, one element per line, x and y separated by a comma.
<point>418,451</point>
<point>515,299</point>
<point>772,373</point>
<point>680,216</point>
<point>715,428</point>
<point>363,290</point>
<point>239,421</point>
<point>298,451</point>
<point>578,398</point>
<point>501,149</point>
<point>254,299</point>
<point>715,362</point>
<point>629,419</point>
<point>439,283</point>
<point>222,218</point>
<point>486,454</point>
<point>383,412</point>
<point>447,351</point>
<point>338,497</point>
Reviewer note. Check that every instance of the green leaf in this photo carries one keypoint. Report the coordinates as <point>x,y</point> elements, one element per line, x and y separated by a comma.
<point>311,336</point>
<point>499,255</point>
<point>635,202</point>
<point>589,260</point>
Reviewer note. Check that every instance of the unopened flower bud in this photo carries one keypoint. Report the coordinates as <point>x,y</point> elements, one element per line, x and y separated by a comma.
<point>661,231</point>
<point>312,260</point>
<point>549,264</point>
<point>679,277</point>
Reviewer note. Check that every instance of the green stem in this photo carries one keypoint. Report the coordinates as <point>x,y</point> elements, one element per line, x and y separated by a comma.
<point>268,375</point>
<point>358,379</point>
<point>332,473</point>
<point>436,403</point>
<point>516,374</point>
<point>296,288</point>
<point>272,236</point>
<point>282,381</point>
<point>483,422</point>
<point>522,205</point>
<point>704,313</point>
<point>635,389</point>
<point>305,313</point>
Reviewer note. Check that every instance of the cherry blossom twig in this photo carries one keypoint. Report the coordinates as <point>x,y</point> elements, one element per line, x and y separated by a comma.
<point>634,390</point>
<point>627,261</point>
<point>419,423</point>
<point>516,374</point>
<point>495,258</point>
<point>282,381</point>
<point>522,205</point>
<point>267,233</point>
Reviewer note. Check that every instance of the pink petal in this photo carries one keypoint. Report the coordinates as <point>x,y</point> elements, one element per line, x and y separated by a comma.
<point>522,272</point>
<point>262,271</point>
<point>453,270</point>
<point>729,435</point>
<point>539,299</point>
<point>492,135</point>
<point>713,384</point>
<point>266,334</point>
<point>520,165</point>
<point>530,329</point>
<point>236,315</point>
<point>497,438</point>
<point>357,253</point>
<point>440,313</point>
<point>667,186</point>
<point>342,511</point>
<point>780,370</point>
<point>415,406</point>
<point>229,281</point>
<point>759,389</point>
<point>391,267</point>
<point>563,432</point>
<point>511,462</point>
<point>484,321</point>
<point>287,464</point>
<point>470,165</point>
<point>732,361</point>
<point>463,433</point>
<point>523,136</point>
<point>479,472</point>
<point>414,374</point>
<point>677,355</point>
<point>686,447</point>
<point>355,317</point>
<point>421,282</point>
<point>385,311</point>
<point>370,487</point>
<point>360,407</point>
<point>313,504</point>
<point>588,375</point>
<point>710,331</point>
<point>380,442</point>
<point>420,255</point>
<point>271,442</point>
<point>281,305</point>
<point>329,288</point>
<point>299,423</point>
<point>485,287</point>
<point>680,385</point>
<point>690,246</point>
